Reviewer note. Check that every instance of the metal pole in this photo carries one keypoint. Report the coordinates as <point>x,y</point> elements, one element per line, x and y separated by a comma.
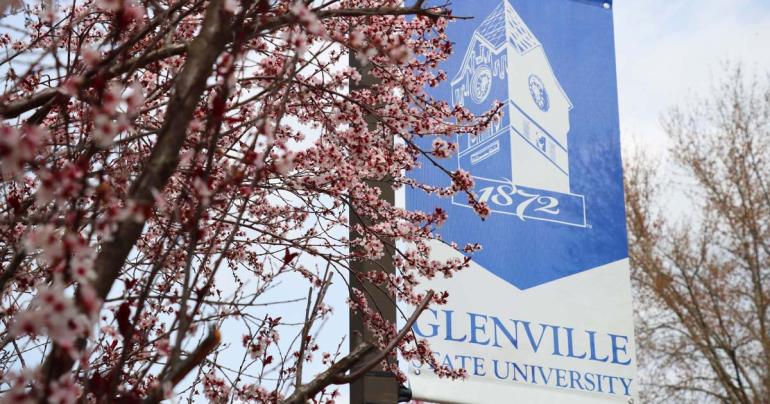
<point>377,386</point>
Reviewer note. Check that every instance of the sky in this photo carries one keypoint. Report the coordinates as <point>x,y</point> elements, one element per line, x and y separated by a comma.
<point>671,50</point>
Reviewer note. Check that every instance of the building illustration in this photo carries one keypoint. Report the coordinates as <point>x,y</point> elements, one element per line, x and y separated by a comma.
<point>505,62</point>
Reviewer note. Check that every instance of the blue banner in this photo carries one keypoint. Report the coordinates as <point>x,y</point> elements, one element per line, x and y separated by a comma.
<point>550,170</point>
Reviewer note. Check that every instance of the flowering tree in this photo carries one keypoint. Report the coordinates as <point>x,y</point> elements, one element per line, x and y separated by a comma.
<point>166,162</point>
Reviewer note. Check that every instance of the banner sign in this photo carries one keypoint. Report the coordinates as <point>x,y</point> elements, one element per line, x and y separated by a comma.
<point>544,313</point>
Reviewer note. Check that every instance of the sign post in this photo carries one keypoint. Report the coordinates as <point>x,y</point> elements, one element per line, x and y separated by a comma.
<point>376,386</point>
<point>544,312</point>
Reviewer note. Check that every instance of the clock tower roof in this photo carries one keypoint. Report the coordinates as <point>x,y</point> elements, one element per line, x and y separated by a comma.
<point>505,25</point>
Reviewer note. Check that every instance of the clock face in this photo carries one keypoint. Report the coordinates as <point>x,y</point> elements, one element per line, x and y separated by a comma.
<point>481,84</point>
<point>538,93</point>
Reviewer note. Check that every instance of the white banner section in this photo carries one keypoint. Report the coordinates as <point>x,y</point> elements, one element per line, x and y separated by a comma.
<point>567,341</point>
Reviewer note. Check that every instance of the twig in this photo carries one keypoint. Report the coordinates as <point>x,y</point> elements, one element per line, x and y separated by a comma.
<point>336,373</point>
<point>376,359</point>
<point>190,363</point>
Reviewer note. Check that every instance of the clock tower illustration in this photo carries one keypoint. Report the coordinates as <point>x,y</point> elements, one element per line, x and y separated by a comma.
<point>505,62</point>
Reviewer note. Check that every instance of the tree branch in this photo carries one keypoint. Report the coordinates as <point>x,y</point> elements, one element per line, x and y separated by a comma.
<point>376,359</point>
<point>190,84</point>
<point>190,363</point>
<point>43,97</point>
<point>336,373</point>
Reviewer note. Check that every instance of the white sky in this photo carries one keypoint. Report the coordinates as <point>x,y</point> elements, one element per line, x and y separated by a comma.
<point>668,50</point>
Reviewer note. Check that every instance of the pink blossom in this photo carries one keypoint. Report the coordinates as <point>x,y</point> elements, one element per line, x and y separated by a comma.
<point>134,99</point>
<point>134,11</point>
<point>203,190</point>
<point>105,131</point>
<point>163,346</point>
<point>48,240</point>
<point>308,18</point>
<point>357,38</point>
<point>231,6</point>
<point>133,212</point>
<point>20,382</point>
<point>462,180</point>
<point>215,388</point>
<point>71,86</point>
<point>59,185</point>
<point>443,149</point>
<point>65,391</point>
<point>18,147</point>
<point>54,314</point>
<point>91,56</point>
<point>111,98</point>
<point>110,5</point>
